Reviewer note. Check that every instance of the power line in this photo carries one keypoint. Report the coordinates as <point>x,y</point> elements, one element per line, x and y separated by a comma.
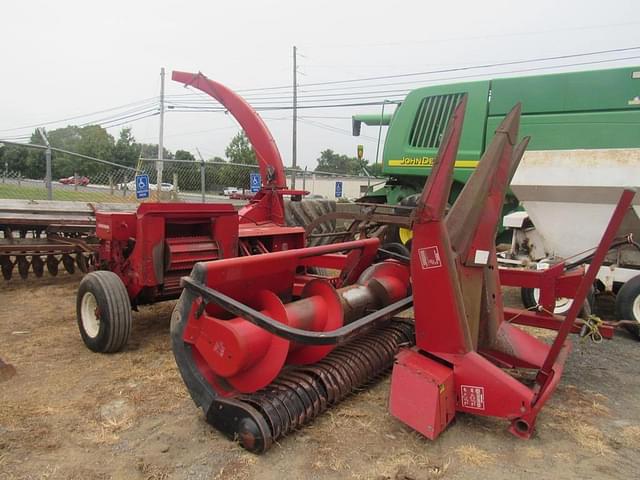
<point>331,128</point>
<point>284,107</point>
<point>110,122</point>
<point>336,95</point>
<point>259,106</point>
<point>41,124</point>
<point>475,67</point>
<point>453,69</point>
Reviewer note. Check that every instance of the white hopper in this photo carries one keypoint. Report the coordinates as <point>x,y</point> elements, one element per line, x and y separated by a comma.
<point>570,195</point>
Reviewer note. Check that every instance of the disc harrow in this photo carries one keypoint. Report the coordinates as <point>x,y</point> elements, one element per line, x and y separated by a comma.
<point>39,235</point>
<point>33,253</point>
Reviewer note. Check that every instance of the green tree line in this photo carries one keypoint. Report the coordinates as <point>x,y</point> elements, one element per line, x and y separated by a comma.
<point>95,141</point>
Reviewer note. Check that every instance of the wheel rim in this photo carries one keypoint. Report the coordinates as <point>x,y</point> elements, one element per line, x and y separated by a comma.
<point>635,309</point>
<point>90,315</point>
<point>563,304</point>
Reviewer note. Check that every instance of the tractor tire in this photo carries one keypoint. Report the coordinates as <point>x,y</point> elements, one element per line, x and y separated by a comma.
<point>304,212</point>
<point>530,297</point>
<point>103,311</point>
<point>628,304</point>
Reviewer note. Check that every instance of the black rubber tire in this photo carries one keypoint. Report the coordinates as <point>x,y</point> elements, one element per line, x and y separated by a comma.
<point>529,301</point>
<point>304,212</point>
<point>113,311</point>
<point>627,295</point>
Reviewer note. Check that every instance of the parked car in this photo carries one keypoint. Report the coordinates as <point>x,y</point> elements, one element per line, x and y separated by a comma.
<point>245,195</point>
<point>230,190</point>
<point>165,187</point>
<point>128,186</point>
<point>84,181</point>
<point>153,187</point>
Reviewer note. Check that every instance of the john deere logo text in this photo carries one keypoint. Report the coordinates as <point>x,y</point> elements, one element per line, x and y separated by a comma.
<point>412,162</point>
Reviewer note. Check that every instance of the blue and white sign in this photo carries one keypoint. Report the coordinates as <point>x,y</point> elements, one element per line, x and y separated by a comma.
<point>338,189</point>
<point>142,186</point>
<point>255,182</point>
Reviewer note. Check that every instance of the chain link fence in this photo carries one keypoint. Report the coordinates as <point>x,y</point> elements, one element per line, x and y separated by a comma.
<point>182,180</point>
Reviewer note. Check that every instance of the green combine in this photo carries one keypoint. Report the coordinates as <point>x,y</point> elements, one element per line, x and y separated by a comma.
<point>567,111</point>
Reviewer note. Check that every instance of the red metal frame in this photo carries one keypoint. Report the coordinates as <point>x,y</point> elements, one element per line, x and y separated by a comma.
<point>459,314</point>
<point>237,356</point>
<point>150,249</point>
<point>553,283</point>
<point>160,242</point>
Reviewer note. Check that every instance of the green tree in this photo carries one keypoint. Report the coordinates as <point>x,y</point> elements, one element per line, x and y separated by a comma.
<point>126,150</point>
<point>184,155</point>
<point>18,160</point>
<point>150,150</point>
<point>91,140</point>
<point>375,169</point>
<point>240,150</point>
<point>332,162</point>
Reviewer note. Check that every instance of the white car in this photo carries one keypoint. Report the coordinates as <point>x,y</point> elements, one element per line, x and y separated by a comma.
<point>153,187</point>
<point>164,187</point>
<point>230,191</point>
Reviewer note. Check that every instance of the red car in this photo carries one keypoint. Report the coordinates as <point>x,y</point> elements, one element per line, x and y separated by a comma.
<point>84,181</point>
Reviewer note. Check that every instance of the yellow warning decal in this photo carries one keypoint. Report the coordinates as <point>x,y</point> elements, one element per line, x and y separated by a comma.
<point>428,162</point>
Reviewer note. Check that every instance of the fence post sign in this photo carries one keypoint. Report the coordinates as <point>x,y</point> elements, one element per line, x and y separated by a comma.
<point>142,186</point>
<point>255,182</point>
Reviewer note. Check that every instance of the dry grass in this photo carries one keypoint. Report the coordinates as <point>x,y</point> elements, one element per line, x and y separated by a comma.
<point>630,436</point>
<point>152,472</point>
<point>575,415</point>
<point>472,455</point>
<point>239,469</point>
<point>533,453</point>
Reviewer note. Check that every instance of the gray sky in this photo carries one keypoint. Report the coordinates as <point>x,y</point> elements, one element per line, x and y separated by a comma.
<point>67,58</point>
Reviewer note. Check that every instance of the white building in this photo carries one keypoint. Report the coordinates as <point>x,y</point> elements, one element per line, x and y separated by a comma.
<point>348,187</point>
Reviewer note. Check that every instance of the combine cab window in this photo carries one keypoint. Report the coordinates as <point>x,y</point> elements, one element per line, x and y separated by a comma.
<point>431,120</point>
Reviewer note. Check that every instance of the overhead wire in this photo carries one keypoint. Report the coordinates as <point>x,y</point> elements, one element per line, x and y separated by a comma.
<point>258,105</point>
<point>75,117</point>
<point>451,69</point>
<point>331,128</point>
<point>312,98</point>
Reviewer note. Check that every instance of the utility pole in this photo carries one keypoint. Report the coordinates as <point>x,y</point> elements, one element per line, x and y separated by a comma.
<point>160,165</point>
<point>294,156</point>
<point>47,156</point>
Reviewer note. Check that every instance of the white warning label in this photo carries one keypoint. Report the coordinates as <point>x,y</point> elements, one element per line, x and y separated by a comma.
<point>429,257</point>
<point>472,397</point>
